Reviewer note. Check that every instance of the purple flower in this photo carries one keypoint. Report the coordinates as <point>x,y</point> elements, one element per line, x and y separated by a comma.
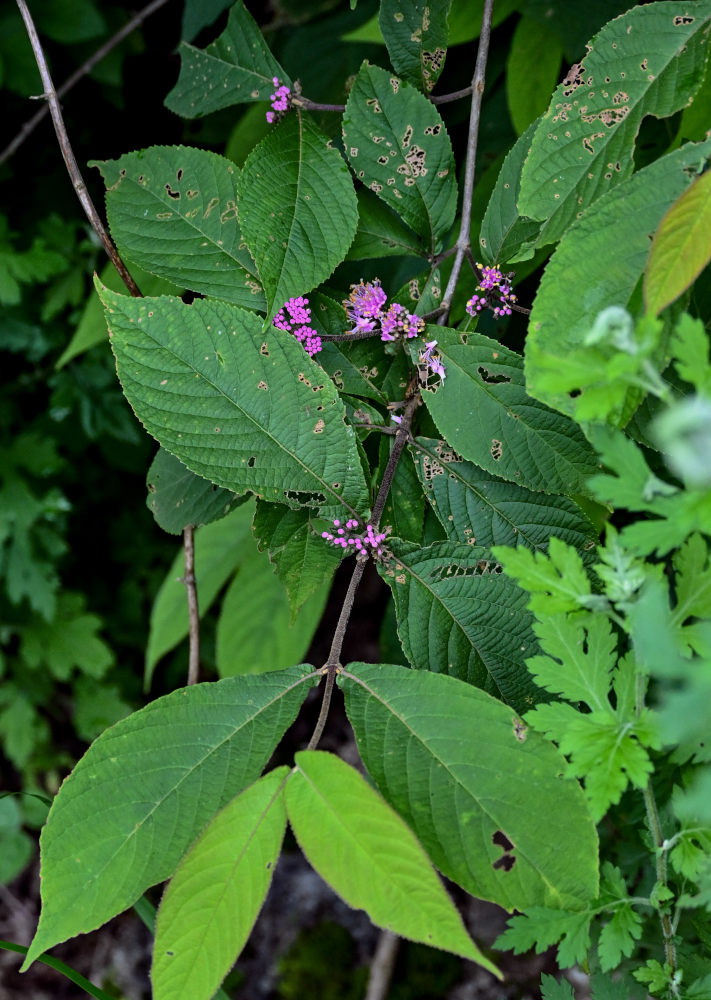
<point>492,281</point>
<point>398,323</point>
<point>364,305</point>
<point>351,538</point>
<point>294,317</point>
<point>432,360</point>
<point>281,101</point>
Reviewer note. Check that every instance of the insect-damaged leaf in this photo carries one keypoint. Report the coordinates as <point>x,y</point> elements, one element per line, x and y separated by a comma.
<point>146,787</point>
<point>246,409</point>
<point>415,32</point>
<point>476,785</point>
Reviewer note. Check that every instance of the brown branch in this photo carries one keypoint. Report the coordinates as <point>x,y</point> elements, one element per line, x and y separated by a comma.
<point>75,176</point>
<point>463,240</point>
<point>77,75</point>
<point>382,966</point>
<point>335,338</point>
<point>454,96</point>
<point>307,104</point>
<point>193,609</point>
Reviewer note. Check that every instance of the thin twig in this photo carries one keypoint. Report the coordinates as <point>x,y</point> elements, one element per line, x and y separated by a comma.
<point>382,966</point>
<point>77,75</point>
<point>76,178</point>
<point>454,96</point>
<point>463,240</point>
<point>335,338</point>
<point>402,436</point>
<point>307,104</point>
<point>193,609</point>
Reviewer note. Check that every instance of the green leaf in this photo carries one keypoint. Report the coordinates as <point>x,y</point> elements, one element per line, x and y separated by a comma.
<point>551,989</point>
<point>265,406</point>
<point>69,643</point>
<point>479,509</point>
<point>532,69</point>
<point>485,413</point>
<point>336,815</point>
<point>458,615</point>
<point>580,655</point>
<point>178,498</point>
<point>381,233</point>
<point>405,506</point>
<point>680,249</point>
<point>505,236</point>
<point>541,927</point>
<point>173,210</point>
<point>584,144</point>
<point>556,581</point>
<point>298,209</point>
<point>398,146</point>
<point>477,787</point>
<point>144,790</point>
<point>212,901</point>
<point>690,347</point>
<point>237,67</point>
<point>254,630</point>
<point>302,560</point>
<point>600,261</point>
<point>415,32</point>
<point>219,548</point>
<point>618,937</point>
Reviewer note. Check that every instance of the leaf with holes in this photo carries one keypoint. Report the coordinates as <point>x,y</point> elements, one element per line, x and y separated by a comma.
<point>362,848</point>
<point>603,256</point>
<point>476,785</point>
<point>485,413</point>
<point>236,68</point>
<point>212,901</point>
<point>243,407</point>
<point>458,615</point>
<point>146,788</point>
<point>649,61</point>
<point>398,146</point>
<point>173,210</point>
<point>477,508</point>
<point>681,247</point>
<point>415,32</point>
<point>298,209</point>
<point>178,498</point>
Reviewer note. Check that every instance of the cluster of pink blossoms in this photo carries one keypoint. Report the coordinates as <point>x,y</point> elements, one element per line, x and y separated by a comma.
<point>295,317</point>
<point>365,310</point>
<point>348,537</point>
<point>280,99</point>
<point>493,282</point>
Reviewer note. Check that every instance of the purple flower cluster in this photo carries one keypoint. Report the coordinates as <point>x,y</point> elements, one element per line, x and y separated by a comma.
<point>349,537</point>
<point>295,318</point>
<point>493,282</point>
<point>365,310</point>
<point>281,99</point>
<point>432,360</point>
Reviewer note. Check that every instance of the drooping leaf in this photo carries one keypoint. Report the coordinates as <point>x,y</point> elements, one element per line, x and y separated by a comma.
<point>177,497</point>
<point>415,32</point>
<point>681,248</point>
<point>298,209</point>
<point>212,901</point>
<point>398,146</point>
<point>270,415</point>
<point>477,787</point>
<point>584,143</point>
<point>219,548</point>
<point>381,233</point>
<point>532,70</point>
<point>235,68</point>
<point>146,787</point>
<point>600,261</point>
<point>476,508</point>
<point>173,210</point>
<point>458,615</point>
<point>485,413</point>
<point>362,848</point>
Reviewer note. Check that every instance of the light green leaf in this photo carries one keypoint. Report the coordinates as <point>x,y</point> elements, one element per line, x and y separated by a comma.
<point>254,630</point>
<point>362,848</point>
<point>212,901</point>
<point>298,209</point>
<point>551,989</point>
<point>580,655</point>
<point>173,210</point>
<point>681,248</point>
<point>541,927</point>
<point>381,233</point>
<point>477,787</point>
<point>598,263</point>
<point>485,413</point>
<point>266,408</point>
<point>219,549</point>
<point>458,615</point>
<point>144,790</point>
<point>649,61</point>
<point>618,937</point>
<point>556,582</point>
<point>237,67</point>
<point>690,347</point>
<point>398,146</point>
<point>479,509</point>
<point>415,32</point>
<point>532,69</point>
<point>178,498</point>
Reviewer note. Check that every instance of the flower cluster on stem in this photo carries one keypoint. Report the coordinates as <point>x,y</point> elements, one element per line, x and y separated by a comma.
<point>295,317</point>
<point>432,360</point>
<point>493,285</point>
<point>350,537</point>
<point>281,101</point>
<point>366,310</point>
